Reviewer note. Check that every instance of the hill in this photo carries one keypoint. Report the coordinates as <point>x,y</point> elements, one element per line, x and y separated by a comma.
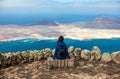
<point>100,23</point>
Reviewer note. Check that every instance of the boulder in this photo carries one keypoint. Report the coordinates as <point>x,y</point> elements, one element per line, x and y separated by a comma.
<point>40,55</point>
<point>95,54</point>
<point>85,54</point>
<point>5,59</point>
<point>71,51</point>
<point>19,57</point>
<point>9,58</point>
<point>27,55</point>
<point>77,53</point>
<point>31,55</point>
<point>35,55</point>
<point>47,53</point>
<point>116,57</point>
<point>13,59</point>
<point>106,57</point>
<point>47,50</point>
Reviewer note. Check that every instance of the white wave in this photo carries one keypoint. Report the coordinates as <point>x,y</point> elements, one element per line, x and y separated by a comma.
<point>26,39</point>
<point>39,38</point>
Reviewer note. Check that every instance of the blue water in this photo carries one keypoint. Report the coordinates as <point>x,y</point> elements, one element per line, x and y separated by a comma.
<point>106,45</point>
<point>61,18</point>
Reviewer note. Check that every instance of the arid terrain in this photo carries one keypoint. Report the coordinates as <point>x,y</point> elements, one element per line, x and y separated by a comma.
<point>84,70</point>
<point>10,33</point>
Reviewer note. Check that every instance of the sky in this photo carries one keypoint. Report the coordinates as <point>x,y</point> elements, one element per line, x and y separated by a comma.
<point>59,7</point>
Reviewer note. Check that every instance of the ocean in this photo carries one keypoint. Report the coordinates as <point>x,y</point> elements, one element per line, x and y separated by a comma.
<point>61,18</point>
<point>106,45</point>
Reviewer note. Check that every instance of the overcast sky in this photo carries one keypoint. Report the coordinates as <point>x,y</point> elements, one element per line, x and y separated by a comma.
<point>59,7</point>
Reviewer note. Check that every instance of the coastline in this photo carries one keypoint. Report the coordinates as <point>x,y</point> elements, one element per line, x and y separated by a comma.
<point>32,38</point>
<point>15,33</point>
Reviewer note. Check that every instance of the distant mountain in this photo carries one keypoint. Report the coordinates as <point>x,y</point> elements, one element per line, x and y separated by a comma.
<point>47,23</point>
<point>100,23</point>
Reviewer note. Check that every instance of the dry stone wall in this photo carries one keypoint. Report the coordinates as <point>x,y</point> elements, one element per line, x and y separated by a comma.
<point>77,54</point>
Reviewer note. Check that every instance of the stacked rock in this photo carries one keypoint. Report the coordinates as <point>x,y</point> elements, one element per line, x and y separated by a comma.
<point>24,57</point>
<point>71,51</point>
<point>85,54</point>
<point>95,54</point>
<point>106,57</point>
<point>51,63</point>
<point>116,57</point>
<point>76,53</point>
<point>47,53</point>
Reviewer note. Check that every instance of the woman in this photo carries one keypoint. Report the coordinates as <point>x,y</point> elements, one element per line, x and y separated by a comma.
<point>61,49</point>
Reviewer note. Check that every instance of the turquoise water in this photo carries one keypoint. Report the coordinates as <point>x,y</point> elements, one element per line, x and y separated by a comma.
<point>106,45</point>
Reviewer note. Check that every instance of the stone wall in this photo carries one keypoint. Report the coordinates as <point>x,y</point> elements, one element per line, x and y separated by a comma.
<point>77,53</point>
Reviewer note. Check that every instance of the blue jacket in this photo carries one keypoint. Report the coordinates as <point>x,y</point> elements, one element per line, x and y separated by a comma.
<point>57,54</point>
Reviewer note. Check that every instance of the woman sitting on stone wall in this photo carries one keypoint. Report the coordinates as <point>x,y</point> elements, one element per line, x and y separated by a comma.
<point>61,50</point>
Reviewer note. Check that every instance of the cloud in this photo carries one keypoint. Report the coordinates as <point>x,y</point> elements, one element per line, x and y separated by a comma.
<point>55,6</point>
<point>90,1</point>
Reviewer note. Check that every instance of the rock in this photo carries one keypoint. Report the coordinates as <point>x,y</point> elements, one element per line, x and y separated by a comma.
<point>116,57</point>
<point>35,51</point>
<point>71,50</point>
<point>13,59</point>
<point>71,62</point>
<point>19,57</point>
<point>85,54</point>
<point>47,53</point>
<point>27,55</point>
<point>90,65</point>
<point>95,54</point>
<point>60,63</point>
<point>53,51</point>
<point>77,53</point>
<point>31,56</point>
<point>10,58</point>
<point>35,55</point>
<point>40,55</point>
<point>47,50</point>
<point>106,57</point>
<point>1,58</point>
<point>4,60</point>
<point>50,62</point>
<point>54,77</point>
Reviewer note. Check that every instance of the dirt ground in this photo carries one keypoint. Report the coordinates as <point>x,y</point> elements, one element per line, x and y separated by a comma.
<point>38,70</point>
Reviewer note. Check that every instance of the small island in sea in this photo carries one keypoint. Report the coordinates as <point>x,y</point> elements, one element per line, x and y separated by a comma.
<point>29,31</point>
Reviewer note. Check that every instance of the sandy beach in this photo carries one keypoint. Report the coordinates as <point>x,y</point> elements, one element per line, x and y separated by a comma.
<point>11,33</point>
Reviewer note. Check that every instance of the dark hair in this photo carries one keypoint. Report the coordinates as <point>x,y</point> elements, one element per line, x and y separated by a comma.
<point>60,39</point>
